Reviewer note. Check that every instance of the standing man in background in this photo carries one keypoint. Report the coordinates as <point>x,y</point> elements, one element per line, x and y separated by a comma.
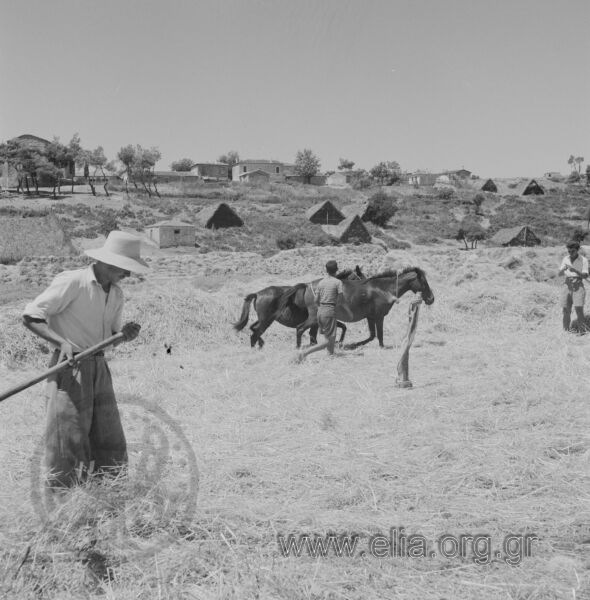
<point>575,268</point>
<point>328,295</point>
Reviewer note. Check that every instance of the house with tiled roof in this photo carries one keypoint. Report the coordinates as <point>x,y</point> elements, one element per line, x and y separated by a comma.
<point>277,170</point>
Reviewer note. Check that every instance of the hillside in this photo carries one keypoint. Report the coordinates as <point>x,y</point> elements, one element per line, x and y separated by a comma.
<point>274,216</point>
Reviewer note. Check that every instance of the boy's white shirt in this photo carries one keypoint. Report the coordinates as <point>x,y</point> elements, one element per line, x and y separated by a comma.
<point>581,264</point>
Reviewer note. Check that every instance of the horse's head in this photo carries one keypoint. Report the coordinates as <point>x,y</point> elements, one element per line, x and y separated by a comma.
<point>420,284</point>
<point>351,275</point>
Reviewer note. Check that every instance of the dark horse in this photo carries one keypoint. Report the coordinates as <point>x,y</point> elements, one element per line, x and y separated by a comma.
<point>369,299</point>
<point>266,303</point>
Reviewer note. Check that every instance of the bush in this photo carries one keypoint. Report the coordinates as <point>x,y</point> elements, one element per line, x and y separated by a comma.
<point>574,177</point>
<point>579,235</point>
<point>286,242</point>
<point>380,209</point>
<point>445,193</point>
<point>107,222</point>
<point>478,199</point>
<point>362,183</point>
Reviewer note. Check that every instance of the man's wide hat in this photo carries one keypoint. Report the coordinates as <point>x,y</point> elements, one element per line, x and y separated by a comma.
<point>121,250</point>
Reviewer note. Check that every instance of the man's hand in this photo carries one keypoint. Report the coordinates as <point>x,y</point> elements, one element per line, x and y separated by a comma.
<point>66,352</point>
<point>130,331</point>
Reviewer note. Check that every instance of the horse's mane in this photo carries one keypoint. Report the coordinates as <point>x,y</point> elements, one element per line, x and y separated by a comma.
<point>397,272</point>
<point>344,274</point>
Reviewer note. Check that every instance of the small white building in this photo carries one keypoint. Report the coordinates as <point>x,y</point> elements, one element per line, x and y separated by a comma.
<point>168,234</point>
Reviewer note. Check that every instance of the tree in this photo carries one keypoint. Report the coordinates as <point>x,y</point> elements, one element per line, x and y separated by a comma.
<point>143,167</point>
<point>575,163</point>
<point>478,201</point>
<point>25,158</point>
<point>360,180</point>
<point>470,231</point>
<point>307,164</point>
<point>97,159</point>
<point>10,152</point>
<point>75,152</point>
<point>230,159</point>
<point>57,157</point>
<point>126,155</point>
<point>386,171</point>
<point>182,164</point>
<point>345,164</point>
<point>380,209</point>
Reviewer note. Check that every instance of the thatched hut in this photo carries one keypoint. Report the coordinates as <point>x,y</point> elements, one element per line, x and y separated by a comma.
<point>489,186</point>
<point>324,213</point>
<point>531,188</point>
<point>217,216</point>
<point>167,234</point>
<point>516,236</point>
<point>349,230</point>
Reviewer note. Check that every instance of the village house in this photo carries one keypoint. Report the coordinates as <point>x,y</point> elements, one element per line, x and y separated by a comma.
<point>277,170</point>
<point>340,179</point>
<point>255,176</point>
<point>554,176</point>
<point>459,174</point>
<point>211,171</point>
<point>420,178</point>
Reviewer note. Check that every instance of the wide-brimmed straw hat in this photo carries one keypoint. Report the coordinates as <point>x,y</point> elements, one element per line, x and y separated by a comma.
<point>121,250</point>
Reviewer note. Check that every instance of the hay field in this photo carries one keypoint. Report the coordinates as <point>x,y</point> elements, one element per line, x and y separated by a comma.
<point>493,439</point>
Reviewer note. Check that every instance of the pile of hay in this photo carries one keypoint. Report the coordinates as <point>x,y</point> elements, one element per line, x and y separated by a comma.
<point>25,236</point>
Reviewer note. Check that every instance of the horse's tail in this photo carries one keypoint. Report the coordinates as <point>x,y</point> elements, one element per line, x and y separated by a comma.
<point>243,321</point>
<point>287,296</point>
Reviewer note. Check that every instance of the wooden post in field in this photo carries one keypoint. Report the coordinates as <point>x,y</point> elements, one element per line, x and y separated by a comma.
<point>403,366</point>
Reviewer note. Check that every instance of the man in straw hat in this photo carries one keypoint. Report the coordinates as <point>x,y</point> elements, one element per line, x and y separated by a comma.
<point>575,268</point>
<point>78,310</point>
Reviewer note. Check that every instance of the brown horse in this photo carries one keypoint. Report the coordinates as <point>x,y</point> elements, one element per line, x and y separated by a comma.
<point>266,303</point>
<point>369,299</point>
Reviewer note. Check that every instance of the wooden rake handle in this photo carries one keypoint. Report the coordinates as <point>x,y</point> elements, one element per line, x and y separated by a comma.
<point>403,379</point>
<point>61,366</point>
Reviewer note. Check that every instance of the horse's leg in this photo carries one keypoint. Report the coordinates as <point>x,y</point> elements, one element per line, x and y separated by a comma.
<point>303,327</point>
<point>255,337</point>
<point>258,329</point>
<point>343,327</point>
<point>371,324</point>
<point>379,325</point>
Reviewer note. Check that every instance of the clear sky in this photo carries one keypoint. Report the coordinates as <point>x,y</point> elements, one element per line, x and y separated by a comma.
<point>500,87</point>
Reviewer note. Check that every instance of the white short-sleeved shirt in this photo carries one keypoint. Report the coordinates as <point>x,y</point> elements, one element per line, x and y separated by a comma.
<point>581,264</point>
<point>77,308</point>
